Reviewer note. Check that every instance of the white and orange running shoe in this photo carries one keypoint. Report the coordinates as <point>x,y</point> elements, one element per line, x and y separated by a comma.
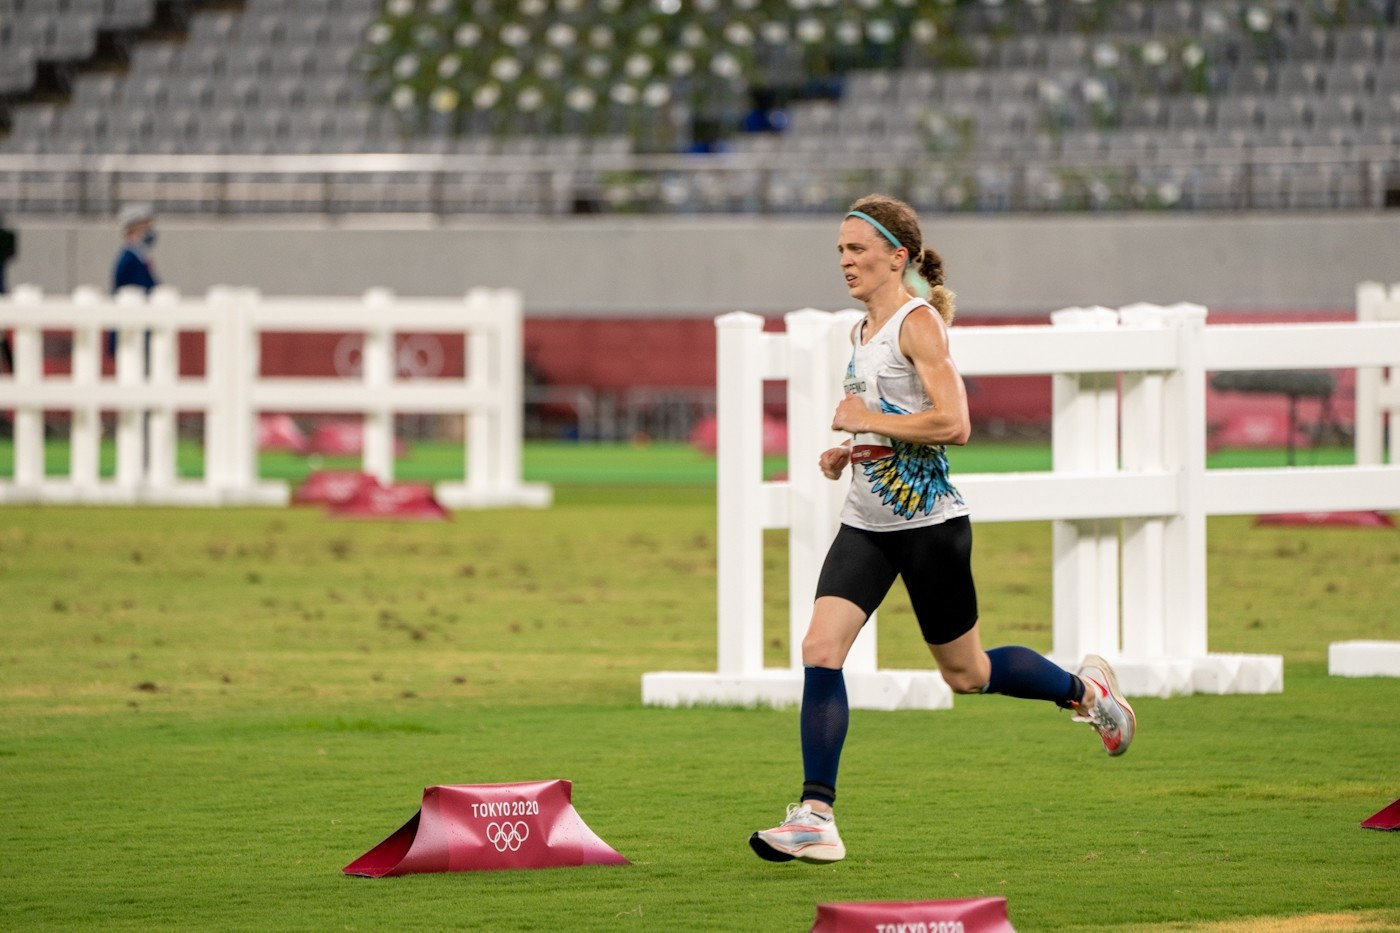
<point>1111,716</point>
<point>804,835</point>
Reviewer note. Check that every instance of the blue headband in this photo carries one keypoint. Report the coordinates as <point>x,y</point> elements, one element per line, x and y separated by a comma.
<point>912,279</point>
<point>879,226</point>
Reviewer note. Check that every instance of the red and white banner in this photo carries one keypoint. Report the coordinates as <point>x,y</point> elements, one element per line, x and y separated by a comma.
<point>969,915</point>
<point>352,494</point>
<point>280,432</point>
<point>344,438</point>
<point>487,827</point>
<point>401,500</point>
<point>329,487</point>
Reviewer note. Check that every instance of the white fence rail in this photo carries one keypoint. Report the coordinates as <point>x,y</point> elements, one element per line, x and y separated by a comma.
<point>146,395</point>
<point>1129,492</point>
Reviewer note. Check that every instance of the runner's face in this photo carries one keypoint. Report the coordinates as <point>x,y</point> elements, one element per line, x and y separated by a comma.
<point>867,261</point>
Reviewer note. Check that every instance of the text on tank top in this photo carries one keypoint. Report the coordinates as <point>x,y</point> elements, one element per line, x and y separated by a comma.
<point>894,483</point>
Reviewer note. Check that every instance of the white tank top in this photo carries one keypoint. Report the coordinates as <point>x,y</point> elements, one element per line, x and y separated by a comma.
<point>894,484</point>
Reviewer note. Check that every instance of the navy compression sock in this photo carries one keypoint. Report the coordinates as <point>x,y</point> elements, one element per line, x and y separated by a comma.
<point>1021,672</point>
<point>825,716</point>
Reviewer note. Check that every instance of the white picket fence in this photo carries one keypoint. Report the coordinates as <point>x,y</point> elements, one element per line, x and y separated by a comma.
<point>232,393</point>
<point>1128,493</point>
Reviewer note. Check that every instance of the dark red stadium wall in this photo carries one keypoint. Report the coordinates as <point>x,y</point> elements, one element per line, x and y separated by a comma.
<point>613,354</point>
<point>619,353</point>
<point>604,353</point>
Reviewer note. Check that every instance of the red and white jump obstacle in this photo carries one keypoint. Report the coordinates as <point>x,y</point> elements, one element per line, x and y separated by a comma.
<point>1129,492</point>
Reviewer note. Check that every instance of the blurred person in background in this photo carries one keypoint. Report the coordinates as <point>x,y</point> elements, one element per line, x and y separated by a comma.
<point>133,266</point>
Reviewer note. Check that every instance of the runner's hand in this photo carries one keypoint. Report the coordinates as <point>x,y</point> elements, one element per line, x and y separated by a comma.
<point>833,461</point>
<point>850,415</point>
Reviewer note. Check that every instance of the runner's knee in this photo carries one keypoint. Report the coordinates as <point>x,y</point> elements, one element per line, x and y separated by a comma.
<point>822,650</point>
<point>962,680</point>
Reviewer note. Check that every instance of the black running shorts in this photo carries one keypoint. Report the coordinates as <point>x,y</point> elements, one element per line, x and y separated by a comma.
<point>935,562</point>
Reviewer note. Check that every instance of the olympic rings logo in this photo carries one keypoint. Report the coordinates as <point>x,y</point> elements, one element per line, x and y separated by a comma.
<point>416,356</point>
<point>507,836</point>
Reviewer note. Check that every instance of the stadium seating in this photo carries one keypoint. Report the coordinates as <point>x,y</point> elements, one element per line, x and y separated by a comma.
<point>979,105</point>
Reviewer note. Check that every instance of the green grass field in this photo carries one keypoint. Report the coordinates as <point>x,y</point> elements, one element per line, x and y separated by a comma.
<point>653,464</point>
<point>206,714</point>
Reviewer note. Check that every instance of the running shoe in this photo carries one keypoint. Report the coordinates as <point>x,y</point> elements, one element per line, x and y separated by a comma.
<point>803,835</point>
<point>1111,715</point>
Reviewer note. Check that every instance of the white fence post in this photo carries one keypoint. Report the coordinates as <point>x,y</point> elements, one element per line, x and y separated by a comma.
<point>1144,584</point>
<point>162,373</point>
<point>131,364</point>
<point>1185,453</point>
<point>219,342</point>
<point>1377,388</point>
<point>508,366</point>
<point>378,368</point>
<point>1377,415</point>
<point>479,431</point>
<point>245,363</point>
<point>739,456</point>
<point>1084,439</point>
<point>821,341</point>
<point>29,418</point>
<point>85,436</point>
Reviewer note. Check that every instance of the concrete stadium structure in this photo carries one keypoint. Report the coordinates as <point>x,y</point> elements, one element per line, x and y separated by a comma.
<point>699,266</point>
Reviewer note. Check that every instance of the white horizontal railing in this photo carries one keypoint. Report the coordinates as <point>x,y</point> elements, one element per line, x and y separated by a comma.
<point>335,183</point>
<point>146,391</point>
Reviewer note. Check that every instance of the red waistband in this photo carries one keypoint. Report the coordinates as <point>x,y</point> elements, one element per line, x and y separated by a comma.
<point>863,452</point>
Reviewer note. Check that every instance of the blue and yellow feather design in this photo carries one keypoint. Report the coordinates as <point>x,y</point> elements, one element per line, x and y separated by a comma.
<point>914,479</point>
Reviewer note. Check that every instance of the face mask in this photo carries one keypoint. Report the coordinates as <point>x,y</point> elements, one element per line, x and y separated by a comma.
<point>150,238</point>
